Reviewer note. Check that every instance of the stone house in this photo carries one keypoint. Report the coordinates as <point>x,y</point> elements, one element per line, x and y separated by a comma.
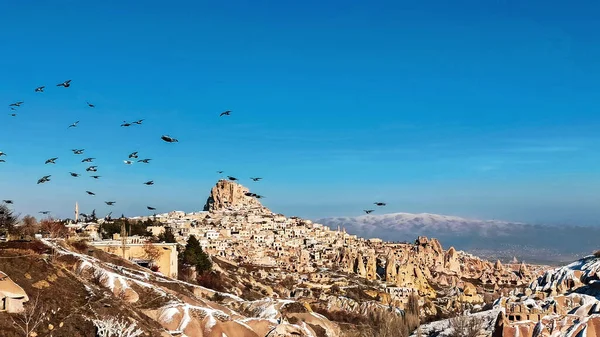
<point>12,296</point>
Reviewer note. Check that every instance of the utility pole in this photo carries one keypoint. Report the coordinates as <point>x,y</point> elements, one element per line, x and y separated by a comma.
<point>123,237</point>
<point>76,211</point>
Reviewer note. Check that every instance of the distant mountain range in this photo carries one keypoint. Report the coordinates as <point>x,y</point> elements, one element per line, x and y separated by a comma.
<point>486,238</point>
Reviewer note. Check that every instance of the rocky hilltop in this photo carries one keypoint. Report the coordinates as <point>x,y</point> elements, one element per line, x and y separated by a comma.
<point>227,194</point>
<point>249,233</point>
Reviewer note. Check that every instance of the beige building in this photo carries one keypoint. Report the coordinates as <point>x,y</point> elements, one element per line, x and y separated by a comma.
<point>12,296</point>
<point>135,251</point>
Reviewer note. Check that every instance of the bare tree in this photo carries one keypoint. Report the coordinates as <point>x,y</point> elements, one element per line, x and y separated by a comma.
<point>56,228</point>
<point>115,327</point>
<point>28,227</point>
<point>465,326</point>
<point>33,315</point>
<point>151,252</point>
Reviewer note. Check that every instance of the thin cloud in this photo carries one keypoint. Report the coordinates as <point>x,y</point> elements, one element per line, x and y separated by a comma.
<point>543,149</point>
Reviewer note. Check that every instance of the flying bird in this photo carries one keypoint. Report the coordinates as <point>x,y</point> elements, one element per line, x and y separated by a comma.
<point>368,211</point>
<point>168,139</point>
<point>90,193</point>
<point>92,169</point>
<point>145,161</point>
<point>151,208</point>
<point>13,115</point>
<point>73,125</point>
<point>138,122</point>
<point>2,161</point>
<point>380,203</point>
<point>7,201</point>
<point>256,179</point>
<point>74,174</point>
<point>44,212</point>
<point>87,160</point>
<point>79,151</point>
<point>40,89</point>
<point>219,172</point>
<point>65,84</point>
<point>110,203</point>
<point>51,161</point>
<point>150,182</point>
<point>225,113</point>
<point>90,105</point>
<point>2,154</point>
<point>95,177</point>
<point>125,124</point>
<point>258,196</point>
<point>250,194</point>
<point>43,179</point>
<point>128,162</point>
<point>133,155</point>
<point>13,109</point>
<point>17,104</point>
<point>232,178</point>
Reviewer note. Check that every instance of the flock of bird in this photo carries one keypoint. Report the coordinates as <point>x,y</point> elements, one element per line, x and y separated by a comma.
<point>131,158</point>
<point>94,168</point>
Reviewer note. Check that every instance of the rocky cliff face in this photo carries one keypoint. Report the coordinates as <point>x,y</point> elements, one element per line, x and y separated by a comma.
<point>227,194</point>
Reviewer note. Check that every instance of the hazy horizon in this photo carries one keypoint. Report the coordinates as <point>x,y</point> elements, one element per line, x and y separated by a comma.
<point>478,110</point>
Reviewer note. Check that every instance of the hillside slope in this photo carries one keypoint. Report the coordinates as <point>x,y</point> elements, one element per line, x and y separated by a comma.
<point>83,292</point>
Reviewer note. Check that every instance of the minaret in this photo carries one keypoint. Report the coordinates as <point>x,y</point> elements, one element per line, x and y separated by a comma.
<point>76,211</point>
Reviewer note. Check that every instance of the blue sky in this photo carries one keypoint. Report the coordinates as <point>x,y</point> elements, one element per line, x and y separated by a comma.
<point>480,109</point>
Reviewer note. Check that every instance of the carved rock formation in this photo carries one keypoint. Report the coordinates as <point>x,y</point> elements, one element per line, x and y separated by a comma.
<point>227,194</point>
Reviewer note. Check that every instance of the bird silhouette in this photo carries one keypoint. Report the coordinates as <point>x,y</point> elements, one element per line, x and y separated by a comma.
<point>133,155</point>
<point>225,113</point>
<point>150,182</point>
<point>87,160</point>
<point>380,203</point>
<point>151,208</point>
<point>8,201</point>
<point>13,109</point>
<point>40,89</point>
<point>13,115</point>
<point>232,178</point>
<point>2,154</point>
<point>90,105</point>
<point>90,193</point>
<point>128,162</point>
<point>44,179</point>
<point>78,151</point>
<point>256,179</point>
<point>2,161</point>
<point>44,212</point>
<point>92,169</point>
<point>73,125</point>
<point>219,172</point>
<point>110,203</point>
<point>17,104</point>
<point>74,174</point>
<point>145,161</point>
<point>51,161</point>
<point>258,196</point>
<point>125,124</point>
<point>95,177</point>
<point>168,139</point>
<point>138,122</point>
<point>250,194</point>
<point>65,84</point>
<point>368,211</point>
